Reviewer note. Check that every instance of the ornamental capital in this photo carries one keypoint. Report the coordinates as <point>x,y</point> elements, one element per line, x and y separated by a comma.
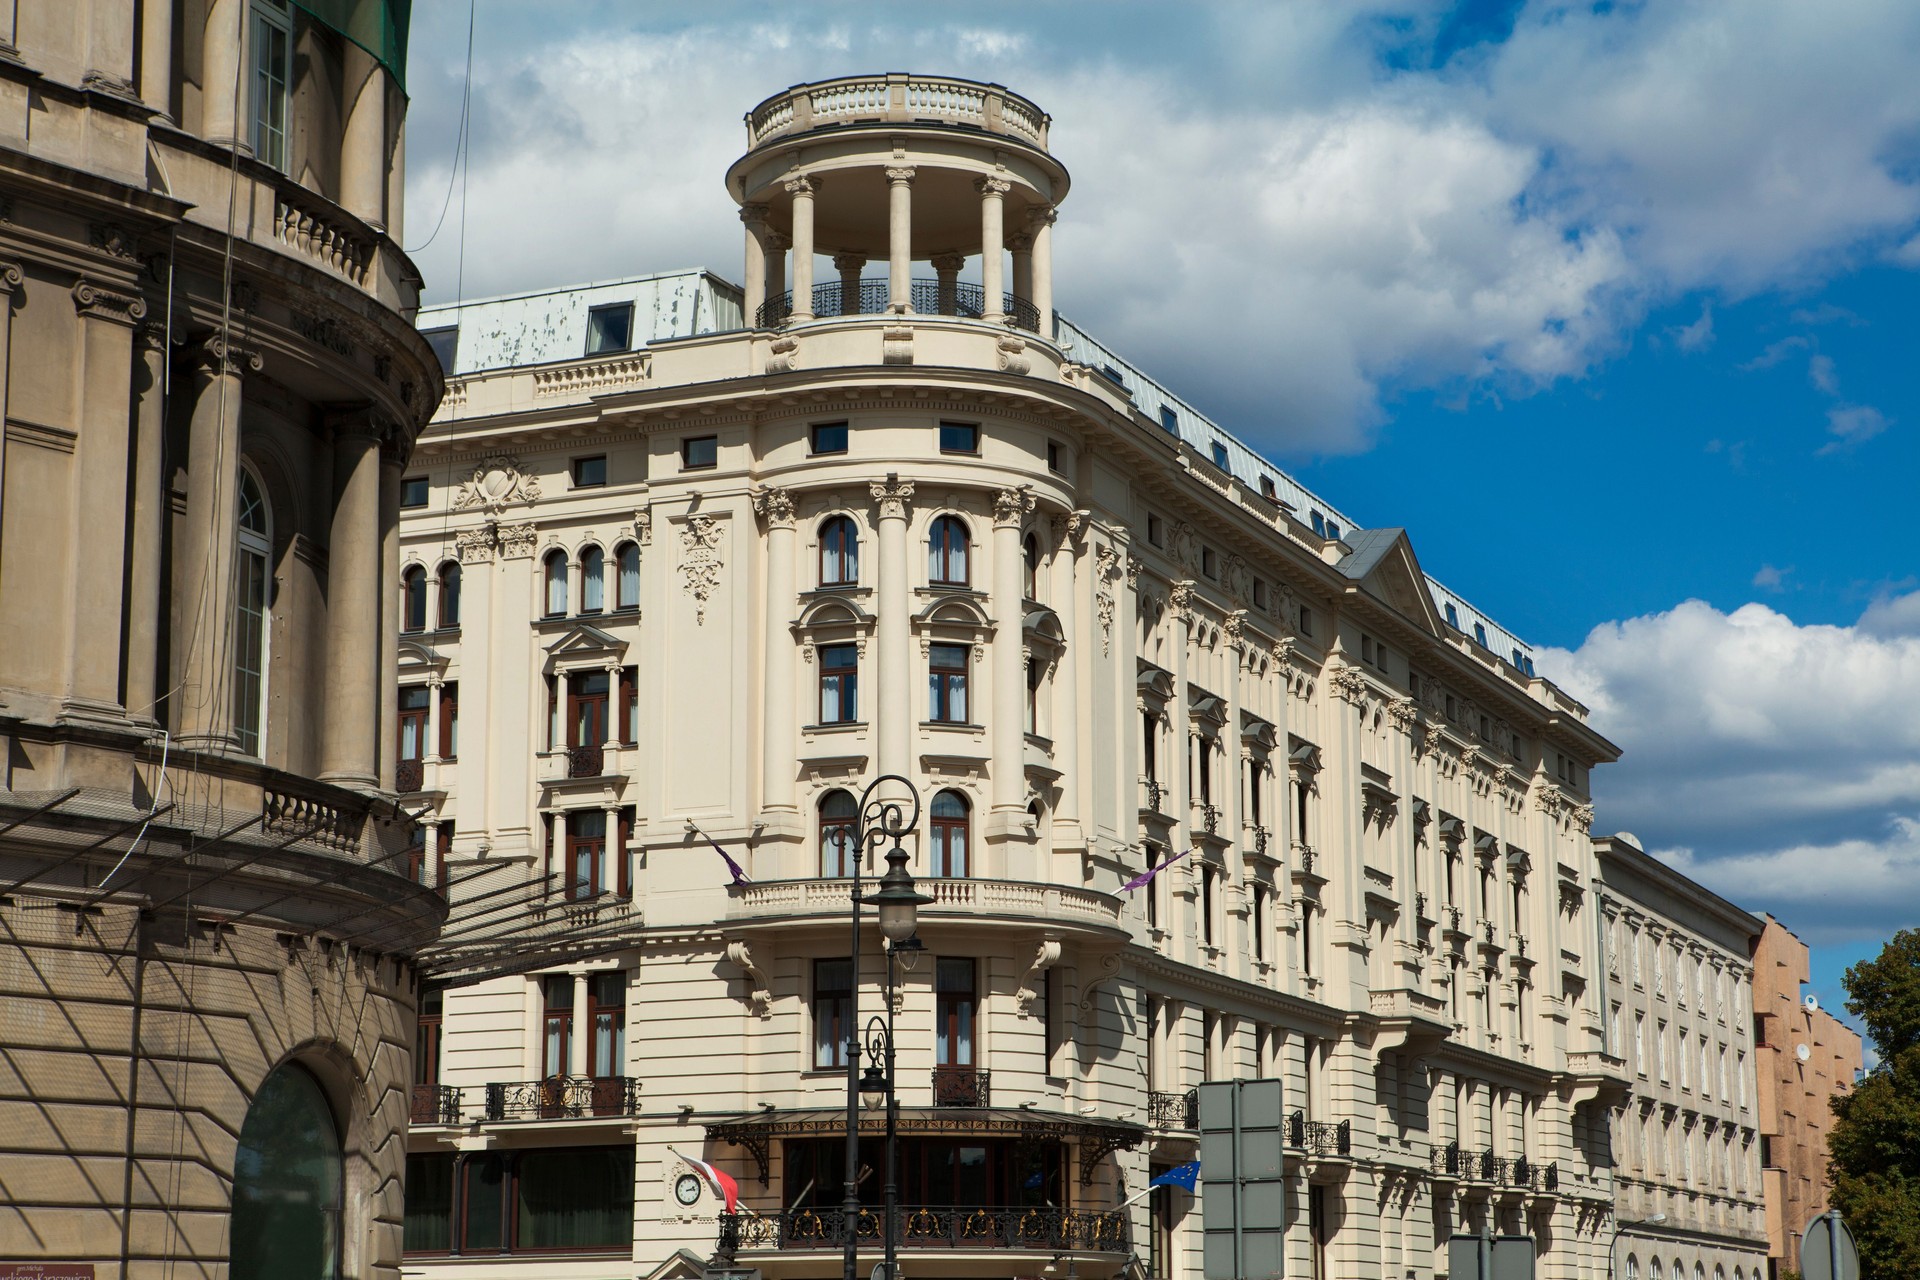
<point>892,494</point>
<point>948,261</point>
<point>849,261</point>
<point>11,277</point>
<point>754,215</point>
<point>801,184</point>
<point>98,302</point>
<point>900,175</point>
<point>1043,217</point>
<point>1010,506</point>
<point>222,358</point>
<point>775,505</point>
<point>992,186</point>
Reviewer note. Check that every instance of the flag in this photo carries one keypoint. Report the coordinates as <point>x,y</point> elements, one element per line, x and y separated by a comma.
<point>1147,875</point>
<point>723,1185</point>
<point>1183,1176</point>
<point>739,876</point>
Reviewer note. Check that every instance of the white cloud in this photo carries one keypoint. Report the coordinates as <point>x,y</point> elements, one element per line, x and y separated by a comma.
<point>1769,578</point>
<point>1781,761</point>
<point>1820,374</point>
<point>1852,424</point>
<point>1697,336</point>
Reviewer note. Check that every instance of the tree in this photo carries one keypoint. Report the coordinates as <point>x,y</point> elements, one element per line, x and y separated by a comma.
<point>1875,1143</point>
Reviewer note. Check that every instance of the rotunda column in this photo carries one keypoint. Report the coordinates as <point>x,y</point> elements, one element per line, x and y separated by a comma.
<point>947,267</point>
<point>779,717</point>
<point>156,56</point>
<point>149,519</point>
<point>754,218</point>
<point>348,752</point>
<point>992,245</point>
<point>802,190</point>
<point>223,45</point>
<point>363,140</point>
<point>1064,594</point>
<point>900,240</point>
<point>1010,508</point>
<point>849,266</point>
<point>1042,269</point>
<point>893,712</point>
<point>392,463</point>
<point>1020,246</point>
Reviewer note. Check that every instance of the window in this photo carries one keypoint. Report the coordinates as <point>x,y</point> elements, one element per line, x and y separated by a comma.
<point>1209,890</point>
<point>1210,563</point>
<point>413,491</point>
<point>1030,562</point>
<point>289,1182</point>
<point>590,473</point>
<point>1480,635</point>
<point>444,341</point>
<point>251,604</point>
<point>1220,455</point>
<point>837,849</point>
<point>947,682</point>
<point>1169,418</point>
<point>555,572</point>
<point>272,73</point>
<point>1035,674</point>
<point>947,552</point>
<point>697,453</point>
<point>1259,593</point>
<point>1156,531</point>
<point>630,705</point>
<point>832,1009</point>
<point>556,1039</point>
<point>413,599</point>
<point>827,437</point>
<point>609,328</point>
<point>1306,621</point>
<point>551,1200</point>
<point>839,683</point>
<point>959,437</point>
<point>948,820</point>
<point>587,853</point>
<point>607,1023</point>
<point>426,1034</point>
<point>415,701</point>
<point>1453,616</point>
<point>1267,490</point>
<point>839,552</point>
<point>1160,1212</point>
<point>954,1009</point>
<point>1319,524</point>
<point>626,562</point>
<point>449,721</point>
<point>587,708</point>
<point>1056,463</point>
<point>449,619</point>
<point>1260,922</point>
<point>1333,531</point>
<point>593,580</point>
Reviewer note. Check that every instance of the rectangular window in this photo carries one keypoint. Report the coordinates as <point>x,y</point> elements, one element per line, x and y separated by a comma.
<point>1055,462</point>
<point>828,437</point>
<point>699,453</point>
<point>832,1005</point>
<point>426,1034</point>
<point>587,853</point>
<point>959,437</point>
<point>449,722</point>
<point>1156,532</point>
<point>1169,418</point>
<point>429,1212</point>
<point>415,700</point>
<point>590,473</point>
<point>839,683</point>
<point>1209,563</point>
<point>413,491</point>
<point>1259,922</point>
<point>1259,593</point>
<point>556,1041</point>
<point>609,328</point>
<point>1220,455</point>
<point>954,1008</point>
<point>1050,1012</point>
<point>947,683</point>
<point>587,708</point>
<point>607,1024</point>
<point>1209,889</point>
<point>1306,621</point>
<point>445,342</point>
<point>629,705</point>
<point>556,1200</point>
<point>1267,490</point>
<point>272,73</point>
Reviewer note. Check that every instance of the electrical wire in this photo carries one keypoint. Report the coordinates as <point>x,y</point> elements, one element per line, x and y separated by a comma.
<point>460,143</point>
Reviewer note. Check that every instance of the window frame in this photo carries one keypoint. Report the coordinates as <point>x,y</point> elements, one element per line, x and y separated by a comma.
<point>956,1014</point>
<point>252,608</point>
<point>942,832</point>
<point>623,309</point>
<point>689,445</point>
<point>830,827</point>
<point>839,551</point>
<point>839,665</point>
<point>593,580</point>
<point>591,846</point>
<point>625,552</point>
<point>275,152</point>
<point>449,736</point>
<point>408,490</point>
<point>413,719</point>
<point>447,578</point>
<point>944,680</point>
<point>814,435</point>
<point>554,572</point>
<point>577,469</point>
<point>830,1011</point>
<point>942,557</point>
<point>448,354</point>
<point>597,706</point>
<point>951,445</point>
<point>413,600</point>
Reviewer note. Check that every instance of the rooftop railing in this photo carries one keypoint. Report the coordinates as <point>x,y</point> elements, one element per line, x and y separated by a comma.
<point>963,299</point>
<point>897,99</point>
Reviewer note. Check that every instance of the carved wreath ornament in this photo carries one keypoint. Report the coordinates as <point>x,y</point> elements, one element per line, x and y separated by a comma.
<point>700,561</point>
<point>496,482</point>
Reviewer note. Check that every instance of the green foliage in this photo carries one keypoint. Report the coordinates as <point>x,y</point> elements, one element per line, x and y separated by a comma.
<point>1875,1144</point>
<point>1885,992</point>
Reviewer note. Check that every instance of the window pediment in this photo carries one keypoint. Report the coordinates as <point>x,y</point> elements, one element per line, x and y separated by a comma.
<point>1154,683</point>
<point>833,611</point>
<point>1210,708</point>
<point>581,645</point>
<point>417,658</point>
<point>1256,732</point>
<point>1043,623</point>
<point>954,610</point>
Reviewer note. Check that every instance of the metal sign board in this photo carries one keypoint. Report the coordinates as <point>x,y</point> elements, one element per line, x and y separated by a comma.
<point>1243,1192</point>
<point>1512,1258</point>
<point>1827,1251</point>
<point>1503,1257</point>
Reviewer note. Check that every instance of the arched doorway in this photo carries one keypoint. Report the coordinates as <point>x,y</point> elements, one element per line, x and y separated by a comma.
<point>287,1182</point>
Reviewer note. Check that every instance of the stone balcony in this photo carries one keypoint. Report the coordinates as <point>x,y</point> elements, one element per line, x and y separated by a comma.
<point>1056,904</point>
<point>897,99</point>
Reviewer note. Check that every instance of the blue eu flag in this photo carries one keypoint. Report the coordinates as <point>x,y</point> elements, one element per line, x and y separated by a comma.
<point>1181,1175</point>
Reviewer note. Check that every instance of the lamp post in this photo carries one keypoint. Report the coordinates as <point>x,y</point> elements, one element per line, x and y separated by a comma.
<point>897,904</point>
<point>1613,1245</point>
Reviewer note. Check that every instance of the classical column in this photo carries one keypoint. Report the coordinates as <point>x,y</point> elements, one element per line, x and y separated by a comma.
<point>849,266</point>
<point>150,518</point>
<point>392,461</point>
<point>11,278</point>
<point>946,267</point>
<point>107,320</point>
<point>1009,737</point>
<point>776,262</point>
<point>363,140</point>
<point>223,47</point>
<point>779,717</point>
<point>110,52</point>
<point>754,218</point>
<point>893,712</point>
<point>900,240</point>
<point>1020,246</point>
<point>1180,611</point>
<point>1064,592</point>
<point>477,646</point>
<point>430,749</point>
<point>156,56</point>
<point>1042,224</point>
<point>582,1036</point>
<point>349,755</point>
<point>992,247</point>
<point>802,190</point>
<point>204,564</point>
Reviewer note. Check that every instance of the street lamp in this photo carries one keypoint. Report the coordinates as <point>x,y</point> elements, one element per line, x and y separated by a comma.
<point>1613,1245</point>
<point>897,903</point>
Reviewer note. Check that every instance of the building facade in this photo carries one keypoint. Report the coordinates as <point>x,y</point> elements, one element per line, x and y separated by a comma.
<point>667,589</point>
<point>1805,1057</point>
<point>1679,991</point>
<point>210,383</point>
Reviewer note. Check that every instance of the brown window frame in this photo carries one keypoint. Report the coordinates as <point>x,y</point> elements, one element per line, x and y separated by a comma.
<point>948,1003</point>
<point>414,718</point>
<point>839,565</point>
<point>449,742</point>
<point>448,619</point>
<point>955,545</point>
<point>550,1018</point>
<point>597,704</point>
<point>413,600</point>
<point>595,846</point>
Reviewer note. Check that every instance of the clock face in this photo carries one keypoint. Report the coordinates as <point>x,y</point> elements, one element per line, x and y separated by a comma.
<point>686,1189</point>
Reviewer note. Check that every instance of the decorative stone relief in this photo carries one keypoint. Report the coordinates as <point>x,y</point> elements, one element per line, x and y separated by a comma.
<point>1180,598</point>
<point>1236,620</point>
<point>1184,544</point>
<point>892,495</point>
<point>896,345</point>
<point>775,506</point>
<point>700,561</point>
<point>517,541</point>
<point>1106,569</point>
<point>1349,684</point>
<point>1013,354</point>
<point>475,545</point>
<point>1107,967</point>
<point>1010,506</point>
<point>100,303</point>
<point>1583,817</point>
<point>111,239</point>
<point>643,526</point>
<point>759,990</point>
<point>1404,712</point>
<point>784,355</point>
<point>494,484</point>
<point>1134,566</point>
<point>1043,960</point>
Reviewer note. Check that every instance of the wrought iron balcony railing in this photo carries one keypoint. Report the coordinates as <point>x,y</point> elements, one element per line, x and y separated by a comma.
<point>1154,794</point>
<point>1210,818</point>
<point>586,762</point>
<point>1446,1161</point>
<point>1039,1228</point>
<point>962,1087</point>
<point>1321,1137</point>
<point>1173,1110</point>
<point>435,1104</point>
<point>929,298</point>
<point>563,1098</point>
<point>1262,840</point>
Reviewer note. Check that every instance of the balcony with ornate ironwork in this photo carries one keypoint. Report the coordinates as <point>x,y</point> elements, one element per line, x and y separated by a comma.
<point>962,1087</point>
<point>960,299</point>
<point>1319,1137</point>
<point>1174,1110</point>
<point>1153,797</point>
<point>1447,1163</point>
<point>434,1104</point>
<point>563,1098</point>
<point>1040,1229</point>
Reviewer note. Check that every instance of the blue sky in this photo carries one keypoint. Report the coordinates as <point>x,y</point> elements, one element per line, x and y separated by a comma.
<point>1611,305</point>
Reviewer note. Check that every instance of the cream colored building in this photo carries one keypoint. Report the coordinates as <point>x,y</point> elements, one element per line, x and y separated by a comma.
<point>666,579</point>
<point>209,385</point>
<point>1679,991</point>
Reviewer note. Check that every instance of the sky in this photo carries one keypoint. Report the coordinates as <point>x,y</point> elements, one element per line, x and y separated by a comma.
<point>1611,305</point>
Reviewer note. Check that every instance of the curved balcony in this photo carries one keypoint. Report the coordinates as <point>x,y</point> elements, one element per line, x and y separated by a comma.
<point>897,99</point>
<point>778,899</point>
<point>963,299</point>
<point>1040,1229</point>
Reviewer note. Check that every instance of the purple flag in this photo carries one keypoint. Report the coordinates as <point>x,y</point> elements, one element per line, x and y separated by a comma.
<point>1152,871</point>
<point>739,876</point>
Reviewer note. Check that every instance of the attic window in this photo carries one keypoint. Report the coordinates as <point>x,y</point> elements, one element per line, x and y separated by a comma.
<point>1319,524</point>
<point>445,342</point>
<point>1169,419</point>
<point>1333,531</point>
<point>1209,563</point>
<point>1156,532</point>
<point>1267,490</point>
<point>1480,635</point>
<point>1453,616</point>
<point>609,328</point>
<point>1220,455</point>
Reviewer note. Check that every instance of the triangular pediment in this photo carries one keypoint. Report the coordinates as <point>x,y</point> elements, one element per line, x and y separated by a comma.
<point>1384,565</point>
<point>583,641</point>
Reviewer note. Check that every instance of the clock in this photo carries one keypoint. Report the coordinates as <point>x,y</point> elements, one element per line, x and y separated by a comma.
<point>686,1189</point>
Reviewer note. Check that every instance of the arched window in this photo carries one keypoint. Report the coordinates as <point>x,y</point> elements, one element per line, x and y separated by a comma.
<point>413,599</point>
<point>626,559</point>
<point>839,552</point>
<point>250,606</point>
<point>949,822</point>
<point>287,1183</point>
<point>1653,1269</point>
<point>1633,1267</point>
<point>556,579</point>
<point>450,596</point>
<point>1679,1271</point>
<point>593,580</point>
<point>947,552</point>
<point>837,851</point>
<point>1030,553</point>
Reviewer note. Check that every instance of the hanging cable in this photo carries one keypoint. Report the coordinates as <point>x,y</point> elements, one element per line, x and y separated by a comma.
<point>460,144</point>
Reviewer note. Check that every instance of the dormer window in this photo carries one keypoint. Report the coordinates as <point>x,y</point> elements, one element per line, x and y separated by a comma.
<point>610,328</point>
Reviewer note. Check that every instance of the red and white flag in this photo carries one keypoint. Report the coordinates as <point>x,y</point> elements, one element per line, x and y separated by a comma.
<point>723,1185</point>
